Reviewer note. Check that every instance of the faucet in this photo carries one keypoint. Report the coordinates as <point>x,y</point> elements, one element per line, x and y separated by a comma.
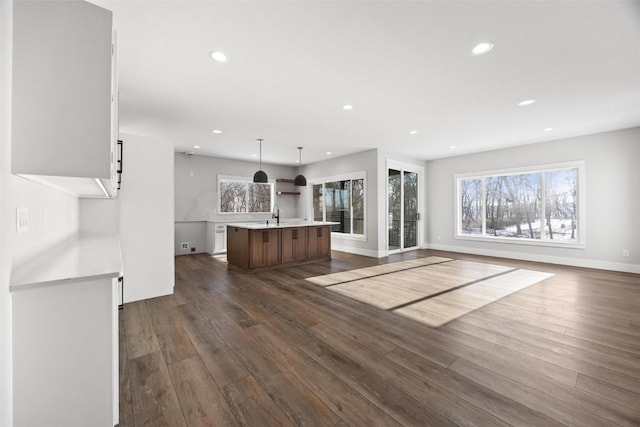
<point>276,214</point>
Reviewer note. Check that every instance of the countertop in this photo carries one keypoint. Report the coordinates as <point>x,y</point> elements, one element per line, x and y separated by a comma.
<point>272,224</point>
<point>84,257</point>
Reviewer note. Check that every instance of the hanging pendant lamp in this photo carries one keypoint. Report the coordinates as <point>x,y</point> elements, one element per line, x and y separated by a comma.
<point>300,180</point>
<point>260,176</point>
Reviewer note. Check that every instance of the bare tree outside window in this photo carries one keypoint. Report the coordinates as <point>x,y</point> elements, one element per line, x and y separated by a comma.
<point>561,202</point>
<point>341,202</point>
<point>357,203</point>
<point>471,205</point>
<point>513,205</point>
<point>259,197</point>
<point>318,214</point>
<point>532,205</point>
<point>233,196</point>
<point>245,197</point>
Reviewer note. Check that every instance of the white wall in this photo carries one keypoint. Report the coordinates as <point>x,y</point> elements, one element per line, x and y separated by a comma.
<point>100,216</point>
<point>196,195</point>
<point>196,187</point>
<point>366,161</point>
<point>53,217</point>
<point>146,217</point>
<point>6,203</point>
<point>194,233</point>
<point>612,171</point>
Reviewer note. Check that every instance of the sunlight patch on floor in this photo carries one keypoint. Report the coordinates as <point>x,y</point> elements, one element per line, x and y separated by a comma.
<point>431,290</point>
<point>359,273</point>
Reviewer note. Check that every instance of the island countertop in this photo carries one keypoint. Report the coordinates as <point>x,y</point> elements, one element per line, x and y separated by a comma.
<point>272,224</point>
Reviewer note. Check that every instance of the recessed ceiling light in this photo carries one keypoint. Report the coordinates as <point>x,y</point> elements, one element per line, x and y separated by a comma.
<point>297,161</point>
<point>347,107</point>
<point>254,155</point>
<point>548,129</point>
<point>453,147</point>
<point>413,132</point>
<point>526,102</point>
<point>217,131</point>
<point>196,146</point>
<point>329,153</point>
<point>482,48</point>
<point>218,56</point>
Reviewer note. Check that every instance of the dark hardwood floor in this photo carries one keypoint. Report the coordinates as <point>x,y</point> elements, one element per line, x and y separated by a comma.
<point>232,348</point>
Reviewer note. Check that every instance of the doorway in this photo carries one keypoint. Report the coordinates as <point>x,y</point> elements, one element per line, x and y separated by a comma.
<point>403,212</point>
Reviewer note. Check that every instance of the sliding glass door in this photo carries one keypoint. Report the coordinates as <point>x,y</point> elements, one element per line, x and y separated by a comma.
<point>402,209</point>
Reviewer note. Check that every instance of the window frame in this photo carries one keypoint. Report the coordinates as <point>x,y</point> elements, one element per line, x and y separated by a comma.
<point>247,180</point>
<point>579,166</point>
<point>343,177</point>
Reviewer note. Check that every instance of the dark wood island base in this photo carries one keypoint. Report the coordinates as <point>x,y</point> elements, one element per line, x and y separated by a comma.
<point>253,247</point>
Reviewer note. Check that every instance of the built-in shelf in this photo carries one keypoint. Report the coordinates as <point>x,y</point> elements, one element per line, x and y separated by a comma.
<point>286,193</point>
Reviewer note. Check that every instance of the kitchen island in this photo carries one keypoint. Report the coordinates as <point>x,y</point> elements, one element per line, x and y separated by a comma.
<point>253,246</point>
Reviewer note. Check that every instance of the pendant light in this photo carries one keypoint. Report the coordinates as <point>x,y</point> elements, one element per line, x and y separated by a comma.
<point>300,180</point>
<point>260,176</point>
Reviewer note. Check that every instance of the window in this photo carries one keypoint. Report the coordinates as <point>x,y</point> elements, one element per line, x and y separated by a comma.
<point>540,205</point>
<point>240,195</point>
<point>340,201</point>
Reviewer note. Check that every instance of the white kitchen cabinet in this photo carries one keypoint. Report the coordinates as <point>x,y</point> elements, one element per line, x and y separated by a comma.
<point>216,238</point>
<point>65,336</point>
<point>64,120</point>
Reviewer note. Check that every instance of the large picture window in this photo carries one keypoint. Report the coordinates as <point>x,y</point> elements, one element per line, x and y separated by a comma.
<point>240,195</point>
<point>340,201</point>
<point>536,205</point>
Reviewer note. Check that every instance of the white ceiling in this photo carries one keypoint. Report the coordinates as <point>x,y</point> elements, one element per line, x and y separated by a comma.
<point>403,66</point>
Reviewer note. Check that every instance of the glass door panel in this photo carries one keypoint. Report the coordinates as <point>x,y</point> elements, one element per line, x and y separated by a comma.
<point>403,209</point>
<point>395,209</point>
<point>410,218</point>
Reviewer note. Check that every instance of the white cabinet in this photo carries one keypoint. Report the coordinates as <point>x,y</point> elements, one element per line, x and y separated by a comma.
<point>216,238</point>
<point>64,94</point>
<point>65,354</point>
<point>65,336</point>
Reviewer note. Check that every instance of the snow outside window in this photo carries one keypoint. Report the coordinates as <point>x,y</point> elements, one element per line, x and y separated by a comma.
<point>540,205</point>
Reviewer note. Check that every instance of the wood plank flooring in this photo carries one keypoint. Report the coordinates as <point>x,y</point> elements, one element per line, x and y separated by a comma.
<point>271,348</point>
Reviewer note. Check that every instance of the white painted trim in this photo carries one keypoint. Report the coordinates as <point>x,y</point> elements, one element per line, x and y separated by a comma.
<point>420,170</point>
<point>341,177</point>
<point>573,262</point>
<point>522,241</point>
<point>358,251</point>
<point>355,237</point>
<point>546,167</point>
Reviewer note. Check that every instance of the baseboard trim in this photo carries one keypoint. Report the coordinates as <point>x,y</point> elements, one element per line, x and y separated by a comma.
<point>573,262</point>
<point>357,251</point>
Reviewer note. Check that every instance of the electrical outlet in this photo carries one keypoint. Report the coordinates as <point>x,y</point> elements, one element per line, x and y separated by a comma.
<point>22,220</point>
<point>625,252</point>
<point>184,246</point>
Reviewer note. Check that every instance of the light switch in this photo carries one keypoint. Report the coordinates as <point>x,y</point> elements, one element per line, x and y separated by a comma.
<point>22,220</point>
